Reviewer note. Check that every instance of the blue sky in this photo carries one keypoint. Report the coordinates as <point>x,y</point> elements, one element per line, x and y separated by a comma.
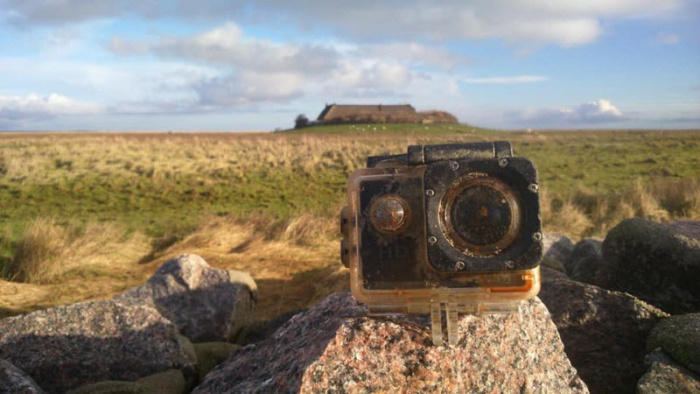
<point>236,65</point>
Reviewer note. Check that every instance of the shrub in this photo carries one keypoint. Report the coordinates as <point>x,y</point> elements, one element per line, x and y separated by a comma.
<point>301,121</point>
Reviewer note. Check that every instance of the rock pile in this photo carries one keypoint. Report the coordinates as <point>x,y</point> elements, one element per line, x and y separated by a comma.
<point>612,307</point>
<point>137,336</point>
<point>619,315</point>
<point>604,331</point>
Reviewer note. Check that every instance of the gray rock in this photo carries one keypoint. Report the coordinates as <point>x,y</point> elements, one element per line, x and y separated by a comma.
<point>556,250</point>
<point>679,336</point>
<point>13,380</point>
<point>585,260</point>
<point>336,347</point>
<point>206,304</point>
<point>171,381</point>
<point>167,382</point>
<point>110,387</point>
<point>261,330</point>
<point>604,332</point>
<point>66,347</point>
<point>211,354</point>
<point>654,263</point>
<point>665,376</point>
<point>688,228</point>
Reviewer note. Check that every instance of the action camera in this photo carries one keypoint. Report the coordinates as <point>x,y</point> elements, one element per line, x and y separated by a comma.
<point>449,228</point>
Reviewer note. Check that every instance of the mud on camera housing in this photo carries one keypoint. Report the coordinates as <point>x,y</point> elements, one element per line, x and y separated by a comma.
<point>444,228</point>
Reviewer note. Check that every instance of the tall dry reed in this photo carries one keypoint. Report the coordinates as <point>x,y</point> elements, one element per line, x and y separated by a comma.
<point>48,251</point>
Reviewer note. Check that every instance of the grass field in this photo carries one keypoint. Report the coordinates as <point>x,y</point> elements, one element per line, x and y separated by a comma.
<point>85,216</point>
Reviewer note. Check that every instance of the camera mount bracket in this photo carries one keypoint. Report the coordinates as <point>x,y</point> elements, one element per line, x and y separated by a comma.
<point>452,311</point>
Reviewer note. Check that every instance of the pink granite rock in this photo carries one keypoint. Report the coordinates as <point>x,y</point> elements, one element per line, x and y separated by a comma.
<point>336,347</point>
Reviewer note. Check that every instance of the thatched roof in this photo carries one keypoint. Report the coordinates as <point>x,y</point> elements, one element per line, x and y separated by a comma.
<point>403,113</point>
<point>335,113</point>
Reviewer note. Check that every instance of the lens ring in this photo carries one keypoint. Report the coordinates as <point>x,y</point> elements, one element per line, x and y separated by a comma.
<point>480,215</point>
<point>390,214</point>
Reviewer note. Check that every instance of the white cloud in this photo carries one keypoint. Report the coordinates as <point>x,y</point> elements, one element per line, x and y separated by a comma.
<point>599,111</point>
<point>666,39</point>
<point>114,84</point>
<point>562,22</point>
<point>16,111</point>
<point>248,88</point>
<point>366,74</point>
<point>228,46</point>
<point>53,104</point>
<point>259,71</point>
<point>122,47</point>
<point>506,80</point>
<point>59,11</point>
<point>414,53</point>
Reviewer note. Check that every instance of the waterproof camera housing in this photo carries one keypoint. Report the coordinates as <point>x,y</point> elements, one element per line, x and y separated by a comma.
<point>443,229</point>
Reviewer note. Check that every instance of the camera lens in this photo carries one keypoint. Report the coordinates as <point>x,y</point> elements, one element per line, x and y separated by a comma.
<point>480,215</point>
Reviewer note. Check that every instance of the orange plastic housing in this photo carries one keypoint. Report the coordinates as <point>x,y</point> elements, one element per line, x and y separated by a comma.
<point>496,291</point>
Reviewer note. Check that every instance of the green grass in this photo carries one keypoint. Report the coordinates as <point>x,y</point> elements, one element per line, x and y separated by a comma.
<point>605,160</point>
<point>163,184</point>
<point>87,215</point>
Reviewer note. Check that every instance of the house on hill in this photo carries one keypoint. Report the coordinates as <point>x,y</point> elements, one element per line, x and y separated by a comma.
<point>403,113</point>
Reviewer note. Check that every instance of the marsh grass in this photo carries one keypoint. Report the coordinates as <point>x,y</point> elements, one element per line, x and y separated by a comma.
<point>112,206</point>
<point>48,251</point>
<point>37,255</point>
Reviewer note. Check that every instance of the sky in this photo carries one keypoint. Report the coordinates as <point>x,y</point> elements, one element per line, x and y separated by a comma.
<point>248,66</point>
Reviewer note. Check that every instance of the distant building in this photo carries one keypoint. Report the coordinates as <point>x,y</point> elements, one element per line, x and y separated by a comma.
<point>403,113</point>
<point>336,113</point>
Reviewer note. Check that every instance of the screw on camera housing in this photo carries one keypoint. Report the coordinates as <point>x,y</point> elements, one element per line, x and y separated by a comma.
<point>459,265</point>
<point>503,162</point>
<point>432,240</point>
<point>533,187</point>
<point>510,264</point>
<point>537,237</point>
<point>430,192</point>
<point>454,165</point>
